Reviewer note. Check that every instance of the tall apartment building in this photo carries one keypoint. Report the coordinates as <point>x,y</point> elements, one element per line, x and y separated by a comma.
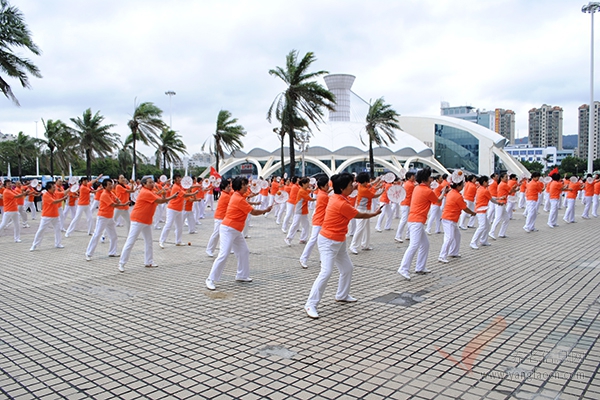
<point>546,126</point>
<point>584,129</point>
<point>499,120</point>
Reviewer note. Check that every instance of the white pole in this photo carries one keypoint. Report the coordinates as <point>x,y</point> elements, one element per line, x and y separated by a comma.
<point>37,158</point>
<point>592,113</point>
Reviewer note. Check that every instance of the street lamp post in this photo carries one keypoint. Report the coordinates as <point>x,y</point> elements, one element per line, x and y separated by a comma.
<point>170,93</point>
<point>591,8</point>
<point>37,157</point>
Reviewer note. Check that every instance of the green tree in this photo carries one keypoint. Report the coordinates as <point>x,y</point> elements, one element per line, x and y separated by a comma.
<point>533,166</point>
<point>227,137</point>
<point>381,121</point>
<point>26,149</point>
<point>57,137</point>
<point>303,100</point>
<point>14,34</point>
<point>94,139</point>
<point>573,165</point>
<point>146,125</point>
<point>169,148</point>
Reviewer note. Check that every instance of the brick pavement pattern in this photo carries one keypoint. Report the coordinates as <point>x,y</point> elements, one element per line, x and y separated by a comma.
<point>519,319</point>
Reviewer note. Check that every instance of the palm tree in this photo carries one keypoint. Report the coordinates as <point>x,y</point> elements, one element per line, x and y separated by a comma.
<point>303,100</point>
<point>14,33</point>
<point>169,147</point>
<point>58,136</point>
<point>227,136</point>
<point>26,148</point>
<point>94,138</point>
<point>146,125</point>
<point>381,122</point>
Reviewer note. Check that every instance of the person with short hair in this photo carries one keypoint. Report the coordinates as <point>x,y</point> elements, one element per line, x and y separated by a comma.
<point>588,197</point>
<point>532,194</point>
<point>300,213</point>
<point>318,217</point>
<point>595,201</point>
<point>141,222</point>
<point>572,191</point>
<point>469,192</point>
<point>219,215</point>
<point>482,204</point>
<point>174,213</point>
<point>409,186</point>
<point>123,192</point>
<point>50,216</point>
<point>231,236</point>
<point>455,205</point>
<point>434,219</point>
<point>332,244</point>
<point>290,204</point>
<point>555,189</point>
<point>10,212</point>
<point>83,206</point>
<point>500,214</point>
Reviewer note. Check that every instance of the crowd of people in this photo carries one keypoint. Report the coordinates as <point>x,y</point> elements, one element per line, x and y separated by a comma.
<point>341,206</point>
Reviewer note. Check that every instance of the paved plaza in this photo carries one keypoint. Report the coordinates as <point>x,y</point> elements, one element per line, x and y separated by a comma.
<point>519,319</point>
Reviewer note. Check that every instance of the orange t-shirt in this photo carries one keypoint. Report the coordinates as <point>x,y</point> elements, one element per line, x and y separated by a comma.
<point>523,186</point>
<point>10,203</point>
<point>422,199</point>
<point>72,199</point>
<point>237,212</point>
<point>338,214</point>
<point>301,206</point>
<point>575,187</point>
<point>144,207</point>
<point>409,187</point>
<point>555,189</point>
<point>533,190</point>
<point>320,207</point>
<point>49,208</point>
<point>469,191</point>
<point>293,194</point>
<point>222,205</point>
<point>84,195</point>
<point>123,195</point>
<point>482,199</point>
<point>20,200</point>
<point>105,208</point>
<point>493,188</point>
<point>454,206</point>
<point>364,197</point>
<point>274,187</point>
<point>597,187</point>
<point>1,199</point>
<point>176,203</point>
<point>503,190</point>
<point>384,199</point>
<point>589,189</point>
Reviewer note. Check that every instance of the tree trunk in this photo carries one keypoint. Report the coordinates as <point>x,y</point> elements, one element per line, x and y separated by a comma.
<point>371,158</point>
<point>134,154</point>
<point>52,164</point>
<point>282,153</point>
<point>292,152</point>
<point>88,164</point>
<point>19,165</point>
<point>164,162</point>
<point>217,161</point>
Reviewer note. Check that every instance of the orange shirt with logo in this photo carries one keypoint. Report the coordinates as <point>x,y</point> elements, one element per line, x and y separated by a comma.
<point>145,206</point>
<point>454,206</point>
<point>338,214</point>
<point>422,199</point>
<point>237,212</point>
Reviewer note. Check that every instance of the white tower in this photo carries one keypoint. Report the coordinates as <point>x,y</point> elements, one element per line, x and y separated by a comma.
<point>339,85</point>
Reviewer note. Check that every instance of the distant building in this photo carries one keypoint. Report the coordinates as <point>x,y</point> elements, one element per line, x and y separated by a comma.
<point>584,120</point>
<point>499,120</point>
<point>547,156</point>
<point>7,136</point>
<point>546,126</point>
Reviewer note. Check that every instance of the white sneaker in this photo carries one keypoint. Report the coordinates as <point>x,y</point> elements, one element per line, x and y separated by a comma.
<point>161,245</point>
<point>32,248</point>
<point>121,267</point>
<point>311,311</point>
<point>60,246</point>
<point>18,241</point>
<point>210,285</point>
<point>474,247</point>
<point>287,241</point>
<point>399,240</point>
<point>443,260</point>
<point>303,264</point>
<point>88,258</point>
<point>66,235</point>
<point>243,279</point>
<point>353,250</point>
<point>405,275</point>
<point>347,299</point>
<point>424,271</point>
<point>210,254</point>
<point>492,236</point>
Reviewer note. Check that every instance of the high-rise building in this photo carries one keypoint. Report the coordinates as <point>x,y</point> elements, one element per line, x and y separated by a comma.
<point>584,129</point>
<point>546,126</point>
<point>500,121</point>
<point>505,124</point>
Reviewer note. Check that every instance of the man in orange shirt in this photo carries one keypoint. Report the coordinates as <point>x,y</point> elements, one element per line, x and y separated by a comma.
<point>318,217</point>
<point>10,213</point>
<point>174,214</point>
<point>588,196</point>
<point>422,199</point>
<point>364,198</point>
<point>219,215</point>
<point>83,206</point>
<point>50,216</point>
<point>123,191</point>
<point>555,189</point>
<point>532,194</point>
<point>469,192</point>
<point>141,222</point>
<point>291,202</point>
<point>231,236</point>
<point>409,187</point>
<point>572,191</point>
<point>455,205</point>
<point>300,213</point>
<point>332,244</point>
<point>482,202</point>
<point>500,215</point>
<point>19,188</point>
<point>105,221</point>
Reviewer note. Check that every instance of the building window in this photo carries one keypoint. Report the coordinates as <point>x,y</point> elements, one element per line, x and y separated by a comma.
<point>456,148</point>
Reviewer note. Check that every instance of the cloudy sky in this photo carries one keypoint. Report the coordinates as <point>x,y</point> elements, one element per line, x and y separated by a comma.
<point>105,55</point>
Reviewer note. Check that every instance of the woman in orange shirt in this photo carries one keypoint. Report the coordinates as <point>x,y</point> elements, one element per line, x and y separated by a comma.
<point>300,213</point>
<point>455,205</point>
<point>231,236</point>
<point>435,213</point>
<point>409,187</point>
<point>222,203</point>
<point>554,189</point>
<point>532,194</point>
<point>10,212</point>
<point>572,191</point>
<point>318,217</point>
<point>332,244</point>
<point>587,197</point>
<point>482,202</point>
<point>422,199</point>
<point>291,202</point>
<point>50,216</point>
<point>596,195</point>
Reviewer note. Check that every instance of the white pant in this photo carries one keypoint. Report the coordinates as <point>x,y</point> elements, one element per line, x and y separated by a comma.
<point>209,201</point>
<point>510,206</point>
<point>501,218</point>
<point>69,211</point>
<point>595,204</point>
<point>289,212</point>
<point>88,214</point>
<point>331,252</point>
<point>231,239</point>
<point>314,235</point>
<point>108,225</point>
<point>23,215</point>
<point>403,220</point>
<point>522,200</point>
<point>386,215</point>
<point>214,238</point>
<point>362,234</point>
<point>587,201</point>
<point>44,224</point>
<point>491,212</point>
<point>14,217</point>
<point>464,216</point>
<point>119,213</point>
<point>451,245</point>
<point>135,230</point>
<point>31,206</point>
<point>173,218</point>
<point>531,215</point>
<point>300,221</point>
<point>191,220</point>
<point>419,244</point>
<point>158,215</point>
<point>570,211</point>
<point>435,217</point>
<point>483,228</point>
<point>553,216</point>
